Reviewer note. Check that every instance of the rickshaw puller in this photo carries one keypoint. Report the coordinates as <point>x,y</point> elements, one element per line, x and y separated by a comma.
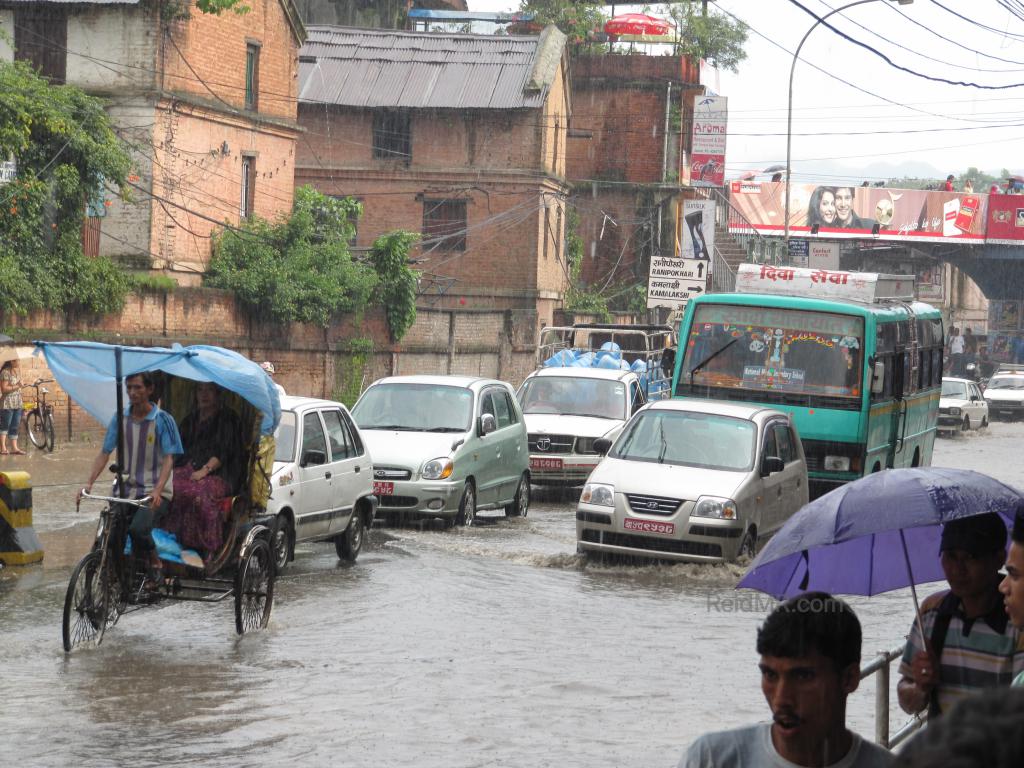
<point>151,442</point>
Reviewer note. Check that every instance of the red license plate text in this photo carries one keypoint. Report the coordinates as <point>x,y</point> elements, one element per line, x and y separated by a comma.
<point>648,526</point>
<point>381,488</point>
<point>537,462</point>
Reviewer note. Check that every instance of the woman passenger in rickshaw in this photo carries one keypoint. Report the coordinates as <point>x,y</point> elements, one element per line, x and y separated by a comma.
<point>208,471</point>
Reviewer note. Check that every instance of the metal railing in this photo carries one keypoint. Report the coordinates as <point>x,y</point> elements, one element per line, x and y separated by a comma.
<point>723,278</point>
<point>880,666</point>
<point>759,248</point>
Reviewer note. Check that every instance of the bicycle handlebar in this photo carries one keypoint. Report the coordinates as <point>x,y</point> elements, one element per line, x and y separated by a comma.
<point>144,501</point>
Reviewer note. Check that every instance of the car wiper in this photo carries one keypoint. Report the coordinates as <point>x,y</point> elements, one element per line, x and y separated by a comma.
<point>594,415</point>
<point>444,429</point>
<point>395,427</point>
<point>712,356</point>
<point>664,443</point>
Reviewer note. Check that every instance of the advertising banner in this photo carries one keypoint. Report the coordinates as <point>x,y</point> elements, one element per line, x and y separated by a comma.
<point>1005,219</point>
<point>930,282</point>
<point>823,256</point>
<point>698,240</point>
<point>910,215</point>
<point>821,283</point>
<point>707,159</point>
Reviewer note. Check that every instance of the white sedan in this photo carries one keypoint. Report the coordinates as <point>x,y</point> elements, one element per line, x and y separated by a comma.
<point>961,406</point>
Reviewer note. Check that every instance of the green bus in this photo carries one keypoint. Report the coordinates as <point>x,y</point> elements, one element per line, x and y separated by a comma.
<point>850,356</point>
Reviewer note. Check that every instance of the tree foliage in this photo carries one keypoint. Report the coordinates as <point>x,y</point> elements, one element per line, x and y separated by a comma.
<point>300,268</point>
<point>575,19</point>
<point>709,35</point>
<point>66,152</point>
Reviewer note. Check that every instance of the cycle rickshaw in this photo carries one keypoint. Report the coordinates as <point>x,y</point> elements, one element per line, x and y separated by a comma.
<point>109,582</point>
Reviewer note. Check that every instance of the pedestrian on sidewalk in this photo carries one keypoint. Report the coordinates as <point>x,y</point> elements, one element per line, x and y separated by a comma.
<point>949,183</point>
<point>10,407</point>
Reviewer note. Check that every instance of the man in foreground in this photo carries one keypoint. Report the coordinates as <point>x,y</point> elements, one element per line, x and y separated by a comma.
<point>1012,585</point>
<point>968,643</point>
<point>810,663</point>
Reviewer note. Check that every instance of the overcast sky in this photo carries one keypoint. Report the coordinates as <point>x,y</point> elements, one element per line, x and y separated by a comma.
<point>836,126</point>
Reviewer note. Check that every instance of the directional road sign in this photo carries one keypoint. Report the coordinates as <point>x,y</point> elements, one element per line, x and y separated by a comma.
<point>673,281</point>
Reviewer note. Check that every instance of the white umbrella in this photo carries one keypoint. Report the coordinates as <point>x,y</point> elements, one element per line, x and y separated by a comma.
<point>16,352</point>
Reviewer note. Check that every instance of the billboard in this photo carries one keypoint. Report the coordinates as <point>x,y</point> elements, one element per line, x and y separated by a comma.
<point>698,241</point>
<point>707,157</point>
<point>835,212</point>
<point>1005,219</point>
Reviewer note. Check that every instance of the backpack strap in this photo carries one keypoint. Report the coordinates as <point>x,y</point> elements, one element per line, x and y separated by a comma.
<point>943,615</point>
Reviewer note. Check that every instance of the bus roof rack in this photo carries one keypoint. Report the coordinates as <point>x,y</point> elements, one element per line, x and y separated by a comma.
<point>865,287</point>
<point>1010,368</point>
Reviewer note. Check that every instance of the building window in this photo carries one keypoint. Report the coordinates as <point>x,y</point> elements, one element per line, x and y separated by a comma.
<point>248,186</point>
<point>392,135</point>
<point>444,225</point>
<point>41,38</point>
<point>252,75</point>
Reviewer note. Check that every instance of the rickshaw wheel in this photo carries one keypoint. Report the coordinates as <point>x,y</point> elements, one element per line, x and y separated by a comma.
<point>254,588</point>
<point>85,614</point>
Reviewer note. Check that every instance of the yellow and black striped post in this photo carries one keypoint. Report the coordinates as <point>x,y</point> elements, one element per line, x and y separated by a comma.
<point>19,544</point>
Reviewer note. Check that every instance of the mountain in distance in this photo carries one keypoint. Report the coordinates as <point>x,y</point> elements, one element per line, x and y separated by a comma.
<point>830,171</point>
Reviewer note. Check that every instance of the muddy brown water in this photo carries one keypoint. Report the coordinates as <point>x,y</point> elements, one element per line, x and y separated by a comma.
<point>493,646</point>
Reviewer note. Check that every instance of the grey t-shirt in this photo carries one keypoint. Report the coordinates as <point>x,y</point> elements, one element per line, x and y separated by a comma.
<point>751,747</point>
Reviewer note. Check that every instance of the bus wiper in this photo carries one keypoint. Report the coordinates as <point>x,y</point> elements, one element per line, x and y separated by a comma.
<point>712,356</point>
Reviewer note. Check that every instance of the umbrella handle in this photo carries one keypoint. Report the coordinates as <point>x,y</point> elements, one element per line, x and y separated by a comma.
<point>913,589</point>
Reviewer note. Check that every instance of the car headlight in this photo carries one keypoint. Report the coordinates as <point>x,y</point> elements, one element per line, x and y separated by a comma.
<point>713,506</point>
<point>599,494</point>
<point>954,411</point>
<point>438,469</point>
<point>837,464</point>
<point>584,445</point>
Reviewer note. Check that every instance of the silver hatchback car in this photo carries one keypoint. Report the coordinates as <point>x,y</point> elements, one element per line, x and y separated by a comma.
<point>694,481</point>
<point>445,446</point>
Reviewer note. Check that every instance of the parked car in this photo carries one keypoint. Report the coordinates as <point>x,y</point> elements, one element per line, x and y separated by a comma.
<point>322,482</point>
<point>693,480</point>
<point>445,446</point>
<point>962,406</point>
<point>1005,393</point>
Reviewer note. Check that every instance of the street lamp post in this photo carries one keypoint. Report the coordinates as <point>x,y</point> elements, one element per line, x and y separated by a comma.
<point>789,111</point>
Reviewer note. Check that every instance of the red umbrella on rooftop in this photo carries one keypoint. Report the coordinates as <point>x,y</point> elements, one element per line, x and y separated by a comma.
<point>637,24</point>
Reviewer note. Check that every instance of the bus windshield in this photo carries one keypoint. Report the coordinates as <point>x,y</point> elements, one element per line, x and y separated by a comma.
<point>782,350</point>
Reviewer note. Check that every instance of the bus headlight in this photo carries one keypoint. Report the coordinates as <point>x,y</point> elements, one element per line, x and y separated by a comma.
<point>599,494</point>
<point>713,506</point>
<point>837,464</point>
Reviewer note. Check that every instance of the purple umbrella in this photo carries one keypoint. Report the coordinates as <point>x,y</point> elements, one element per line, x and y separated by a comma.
<point>876,534</point>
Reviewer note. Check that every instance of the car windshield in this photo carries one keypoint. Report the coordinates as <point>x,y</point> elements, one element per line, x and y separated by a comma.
<point>954,389</point>
<point>786,350</point>
<point>284,437</point>
<point>1007,382</point>
<point>574,396</point>
<point>410,407</point>
<point>688,439</point>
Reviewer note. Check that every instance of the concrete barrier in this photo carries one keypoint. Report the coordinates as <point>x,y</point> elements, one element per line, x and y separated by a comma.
<point>19,544</point>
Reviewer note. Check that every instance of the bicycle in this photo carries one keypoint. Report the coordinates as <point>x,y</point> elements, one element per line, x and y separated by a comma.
<point>39,417</point>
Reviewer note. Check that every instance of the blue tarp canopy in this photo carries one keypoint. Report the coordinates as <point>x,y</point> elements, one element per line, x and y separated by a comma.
<point>87,371</point>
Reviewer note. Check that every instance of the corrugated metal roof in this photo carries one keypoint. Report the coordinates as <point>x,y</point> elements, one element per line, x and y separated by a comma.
<point>387,68</point>
<point>70,2</point>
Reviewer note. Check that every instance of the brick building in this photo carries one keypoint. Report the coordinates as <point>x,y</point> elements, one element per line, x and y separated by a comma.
<point>206,102</point>
<point>459,137</point>
<point>626,158</point>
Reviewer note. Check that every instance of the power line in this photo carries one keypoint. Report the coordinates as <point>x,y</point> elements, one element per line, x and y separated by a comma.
<point>1001,32</point>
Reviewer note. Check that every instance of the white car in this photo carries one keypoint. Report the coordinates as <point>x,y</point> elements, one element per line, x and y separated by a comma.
<point>566,410</point>
<point>961,406</point>
<point>322,484</point>
<point>1005,394</point>
<point>693,481</point>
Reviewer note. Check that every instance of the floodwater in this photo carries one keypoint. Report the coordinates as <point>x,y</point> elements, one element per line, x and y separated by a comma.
<point>492,646</point>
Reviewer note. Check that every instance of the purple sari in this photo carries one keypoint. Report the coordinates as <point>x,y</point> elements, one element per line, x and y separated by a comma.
<point>195,516</point>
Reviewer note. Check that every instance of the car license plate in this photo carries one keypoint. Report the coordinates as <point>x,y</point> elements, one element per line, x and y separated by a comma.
<point>381,488</point>
<point>537,462</point>
<point>648,526</point>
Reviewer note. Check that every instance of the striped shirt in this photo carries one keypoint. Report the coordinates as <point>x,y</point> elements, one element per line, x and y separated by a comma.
<point>146,442</point>
<point>987,652</point>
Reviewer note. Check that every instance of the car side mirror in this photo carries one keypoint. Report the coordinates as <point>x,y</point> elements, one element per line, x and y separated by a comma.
<point>771,464</point>
<point>602,445</point>
<point>878,378</point>
<point>487,424</point>
<point>313,458</point>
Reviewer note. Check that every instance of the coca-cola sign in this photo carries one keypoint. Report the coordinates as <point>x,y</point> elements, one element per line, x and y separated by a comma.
<point>707,158</point>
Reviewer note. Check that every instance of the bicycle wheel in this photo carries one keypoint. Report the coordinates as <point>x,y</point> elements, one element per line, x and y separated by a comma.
<point>84,619</point>
<point>50,432</point>
<point>34,426</point>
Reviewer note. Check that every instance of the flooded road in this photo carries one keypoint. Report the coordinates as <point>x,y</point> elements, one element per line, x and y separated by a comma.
<point>492,646</point>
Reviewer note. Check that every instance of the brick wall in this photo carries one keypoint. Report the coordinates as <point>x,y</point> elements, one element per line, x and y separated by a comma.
<point>310,360</point>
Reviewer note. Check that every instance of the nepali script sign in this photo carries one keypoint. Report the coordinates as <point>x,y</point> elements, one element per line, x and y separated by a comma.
<point>822,283</point>
<point>673,281</point>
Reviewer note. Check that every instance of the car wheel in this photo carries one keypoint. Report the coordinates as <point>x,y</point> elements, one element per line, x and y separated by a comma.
<point>748,546</point>
<point>350,542</point>
<point>521,503</point>
<point>966,425</point>
<point>467,506</point>
<point>282,541</point>
<point>984,422</point>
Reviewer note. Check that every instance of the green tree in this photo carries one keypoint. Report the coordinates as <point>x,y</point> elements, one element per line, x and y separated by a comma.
<point>66,152</point>
<point>575,19</point>
<point>708,34</point>
<point>300,268</point>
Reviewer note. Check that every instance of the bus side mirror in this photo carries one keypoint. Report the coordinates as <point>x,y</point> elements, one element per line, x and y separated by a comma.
<point>878,378</point>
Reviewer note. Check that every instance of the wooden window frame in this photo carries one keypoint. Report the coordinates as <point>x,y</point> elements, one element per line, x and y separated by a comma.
<point>444,224</point>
